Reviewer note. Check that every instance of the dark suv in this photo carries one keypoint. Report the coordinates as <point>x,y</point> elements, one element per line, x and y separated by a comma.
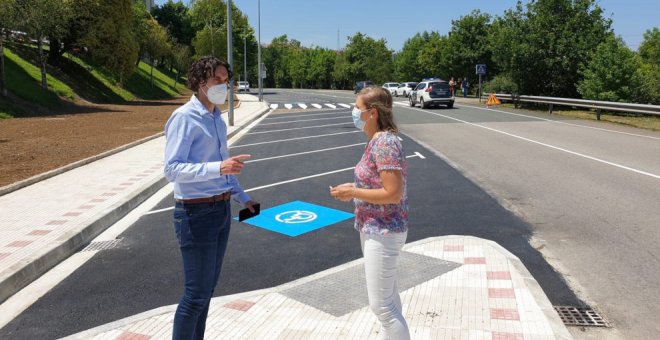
<point>362,84</point>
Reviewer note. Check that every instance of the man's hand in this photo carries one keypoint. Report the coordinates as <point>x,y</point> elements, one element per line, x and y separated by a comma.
<point>250,205</point>
<point>233,165</point>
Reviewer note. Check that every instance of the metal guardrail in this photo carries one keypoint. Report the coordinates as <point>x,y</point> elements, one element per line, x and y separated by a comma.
<point>590,104</point>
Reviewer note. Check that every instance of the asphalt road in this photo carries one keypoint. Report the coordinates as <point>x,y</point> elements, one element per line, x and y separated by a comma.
<point>581,192</point>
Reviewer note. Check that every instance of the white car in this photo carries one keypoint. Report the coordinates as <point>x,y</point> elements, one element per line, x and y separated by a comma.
<point>431,92</point>
<point>404,89</point>
<point>243,86</point>
<point>391,87</point>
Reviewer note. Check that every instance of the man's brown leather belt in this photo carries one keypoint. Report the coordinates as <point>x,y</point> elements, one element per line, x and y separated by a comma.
<point>225,196</point>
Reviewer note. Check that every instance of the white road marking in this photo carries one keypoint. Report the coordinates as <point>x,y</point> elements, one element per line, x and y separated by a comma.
<point>330,106</point>
<point>290,139</point>
<point>298,128</point>
<point>304,153</point>
<point>560,122</point>
<point>345,105</point>
<point>298,114</point>
<point>546,145</point>
<point>288,106</point>
<point>317,106</point>
<point>274,106</point>
<point>418,155</point>
<point>302,106</point>
<point>302,120</point>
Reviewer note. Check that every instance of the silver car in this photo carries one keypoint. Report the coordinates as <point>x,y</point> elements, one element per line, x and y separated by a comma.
<point>404,89</point>
<point>391,87</point>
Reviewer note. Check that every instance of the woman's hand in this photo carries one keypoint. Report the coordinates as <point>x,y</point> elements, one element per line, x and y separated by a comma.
<point>343,192</point>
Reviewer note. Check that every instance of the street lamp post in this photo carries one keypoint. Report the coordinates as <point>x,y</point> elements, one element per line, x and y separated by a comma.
<point>261,94</point>
<point>245,54</point>
<point>230,60</point>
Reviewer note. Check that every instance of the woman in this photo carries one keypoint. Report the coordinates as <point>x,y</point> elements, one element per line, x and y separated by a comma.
<point>381,207</point>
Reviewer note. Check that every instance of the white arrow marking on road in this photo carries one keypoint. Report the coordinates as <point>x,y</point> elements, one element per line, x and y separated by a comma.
<point>419,155</point>
<point>345,105</point>
<point>317,106</point>
<point>303,106</point>
<point>274,106</point>
<point>330,106</point>
<point>288,106</point>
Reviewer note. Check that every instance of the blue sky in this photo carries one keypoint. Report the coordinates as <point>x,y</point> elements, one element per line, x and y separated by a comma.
<point>316,22</point>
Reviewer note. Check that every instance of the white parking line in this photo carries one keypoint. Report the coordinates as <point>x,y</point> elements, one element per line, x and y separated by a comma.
<point>288,106</point>
<point>302,106</point>
<point>291,139</point>
<point>330,106</point>
<point>298,128</point>
<point>302,120</point>
<point>546,145</point>
<point>305,153</point>
<point>312,176</point>
<point>305,114</point>
<point>317,106</point>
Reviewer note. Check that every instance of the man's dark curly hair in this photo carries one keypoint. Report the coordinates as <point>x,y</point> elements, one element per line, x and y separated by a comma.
<point>203,69</point>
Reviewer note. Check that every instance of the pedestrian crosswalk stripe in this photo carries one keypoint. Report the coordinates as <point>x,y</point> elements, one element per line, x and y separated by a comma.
<point>317,106</point>
<point>331,106</point>
<point>302,106</point>
<point>288,106</point>
<point>345,105</point>
<point>274,106</point>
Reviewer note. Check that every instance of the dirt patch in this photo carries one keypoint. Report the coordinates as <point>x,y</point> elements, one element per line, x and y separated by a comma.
<point>30,146</point>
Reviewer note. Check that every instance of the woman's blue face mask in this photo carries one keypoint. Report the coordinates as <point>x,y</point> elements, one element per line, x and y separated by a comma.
<point>356,113</point>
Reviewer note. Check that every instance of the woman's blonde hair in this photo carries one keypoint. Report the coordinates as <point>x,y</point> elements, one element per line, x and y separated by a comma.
<point>381,99</point>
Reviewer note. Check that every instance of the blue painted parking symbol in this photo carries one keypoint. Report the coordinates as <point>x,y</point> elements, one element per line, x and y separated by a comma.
<point>297,217</point>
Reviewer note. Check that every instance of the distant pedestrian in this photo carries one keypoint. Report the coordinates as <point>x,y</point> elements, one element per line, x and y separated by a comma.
<point>381,207</point>
<point>465,87</point>
<point>197,162</point>
<point>452,86</point>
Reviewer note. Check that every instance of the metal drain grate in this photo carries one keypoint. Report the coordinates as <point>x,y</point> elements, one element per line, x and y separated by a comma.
<point>574,316</point>
<point>102,245</point>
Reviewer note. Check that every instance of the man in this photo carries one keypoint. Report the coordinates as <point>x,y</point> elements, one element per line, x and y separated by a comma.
<point>465,87</point>
<point>197,162</point>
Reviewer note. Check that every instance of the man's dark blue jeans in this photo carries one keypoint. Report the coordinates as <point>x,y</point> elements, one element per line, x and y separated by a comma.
<point>202,230</point>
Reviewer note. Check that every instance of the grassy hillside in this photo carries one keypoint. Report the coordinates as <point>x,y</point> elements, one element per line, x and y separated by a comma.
<point>71,80</point>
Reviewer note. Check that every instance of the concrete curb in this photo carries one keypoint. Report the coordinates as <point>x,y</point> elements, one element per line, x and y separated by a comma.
<point>46,175</point>
<point>558,328</point>
<point>72,241</point>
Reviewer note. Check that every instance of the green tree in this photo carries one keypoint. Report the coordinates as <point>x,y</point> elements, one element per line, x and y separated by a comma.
<point>612,74</point>
<point>321,65</point>
<point>41,19</point>
<point>110,38</point>
<point>368,59</point>
<point>340,72</point>
<point>157,44</point>
<point>543,48</point>
<point>175,18</point>
<point>276,58</point>
<point>649,51</point>
<point>406,63</point>
<point>431,57</point>
<point>182,59</point>
<point>7,21</point>
<point>467,45</point>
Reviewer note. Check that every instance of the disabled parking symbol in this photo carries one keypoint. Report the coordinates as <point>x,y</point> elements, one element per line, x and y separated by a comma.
<point>297,218</point>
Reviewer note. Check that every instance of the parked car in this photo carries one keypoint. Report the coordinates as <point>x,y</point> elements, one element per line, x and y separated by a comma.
<point>362,84</point>
<point>391,87</point>
<point>432,92</point>
<point>243,86</point>
<point>404,89</point>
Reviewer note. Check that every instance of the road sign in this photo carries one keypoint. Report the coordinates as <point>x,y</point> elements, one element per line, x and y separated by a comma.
<point>481,69</point>
<point>296,218</point>
<point>492,100</point>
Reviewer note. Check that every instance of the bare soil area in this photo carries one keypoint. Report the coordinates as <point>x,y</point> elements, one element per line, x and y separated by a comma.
<point>30,146</point>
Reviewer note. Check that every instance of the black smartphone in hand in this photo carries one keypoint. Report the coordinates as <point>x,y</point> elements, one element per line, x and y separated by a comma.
<point>244,214</point>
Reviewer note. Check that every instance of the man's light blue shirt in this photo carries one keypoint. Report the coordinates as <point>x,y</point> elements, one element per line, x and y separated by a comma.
<point>196,144</point>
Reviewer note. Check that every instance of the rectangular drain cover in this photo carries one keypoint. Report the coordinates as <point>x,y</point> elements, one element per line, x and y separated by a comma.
<point>574,316</point>
<point>102,245</point>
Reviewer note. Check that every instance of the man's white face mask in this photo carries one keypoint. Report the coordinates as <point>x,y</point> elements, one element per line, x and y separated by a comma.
<point>217,94</point>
